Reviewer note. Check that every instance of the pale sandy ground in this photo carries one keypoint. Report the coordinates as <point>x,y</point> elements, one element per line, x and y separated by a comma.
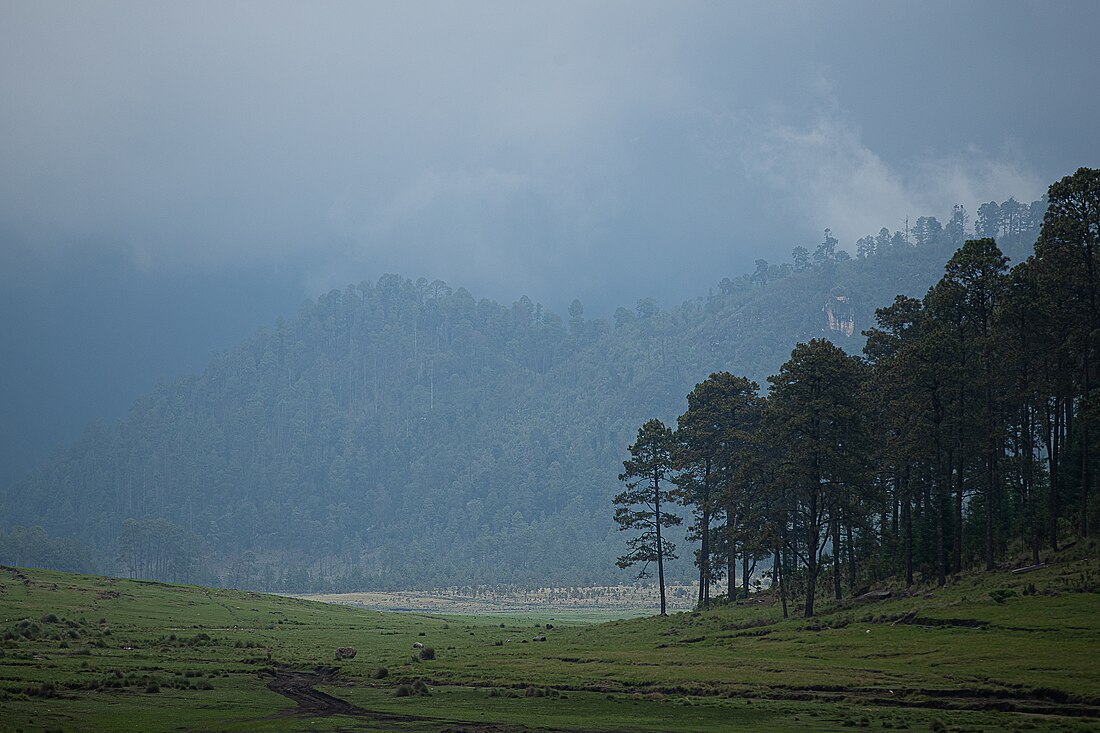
<point>595,603</point>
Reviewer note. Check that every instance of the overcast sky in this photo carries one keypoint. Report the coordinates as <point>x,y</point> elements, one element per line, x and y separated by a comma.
<point>211,164</point>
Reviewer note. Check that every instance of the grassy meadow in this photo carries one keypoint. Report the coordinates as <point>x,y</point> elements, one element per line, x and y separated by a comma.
<point>991,652</point>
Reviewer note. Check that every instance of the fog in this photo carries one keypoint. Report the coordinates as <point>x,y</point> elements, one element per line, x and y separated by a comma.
<point>176,175</point>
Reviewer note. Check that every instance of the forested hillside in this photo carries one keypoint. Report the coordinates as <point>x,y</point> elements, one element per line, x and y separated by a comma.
<point>401,433</point>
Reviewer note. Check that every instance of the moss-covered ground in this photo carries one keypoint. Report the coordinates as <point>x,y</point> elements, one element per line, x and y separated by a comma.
<point>990,652</point>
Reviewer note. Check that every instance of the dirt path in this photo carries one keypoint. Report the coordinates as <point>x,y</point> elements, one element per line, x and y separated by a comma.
<point>298,686</point>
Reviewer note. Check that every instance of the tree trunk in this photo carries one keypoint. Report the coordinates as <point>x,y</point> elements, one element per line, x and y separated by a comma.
<point>957,524</point>
<point>851,560</point>
<point>834,532</point>
<point>1085,477</point>
<point>731,556</point>
<point>1050,431</point>
<point>660,544</point>
<point>936,495</point>
<point>781,576</point>
<point>989,511</point>
<point>812,538</point>
<point>704,555</point>
<point>907,531</point>
<point>745,573</point>
<point>1029,483</point>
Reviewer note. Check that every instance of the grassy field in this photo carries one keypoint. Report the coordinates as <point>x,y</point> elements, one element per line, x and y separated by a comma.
<point>991,652</point>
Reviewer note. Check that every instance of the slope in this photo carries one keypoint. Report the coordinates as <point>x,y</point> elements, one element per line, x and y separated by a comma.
<point>406,434</point>
<point>992,652</point>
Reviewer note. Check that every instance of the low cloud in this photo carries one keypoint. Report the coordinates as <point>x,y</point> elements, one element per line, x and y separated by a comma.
<point>826,171</point>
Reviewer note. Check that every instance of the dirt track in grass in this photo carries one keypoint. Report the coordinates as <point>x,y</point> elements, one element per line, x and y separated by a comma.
<point>299,687</point>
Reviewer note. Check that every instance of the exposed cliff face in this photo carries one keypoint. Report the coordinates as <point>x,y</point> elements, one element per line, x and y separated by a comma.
<point>839,315</point>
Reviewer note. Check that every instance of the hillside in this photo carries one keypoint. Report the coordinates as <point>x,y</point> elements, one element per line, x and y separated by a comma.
<point>992,652</point>
<point>406,434</point>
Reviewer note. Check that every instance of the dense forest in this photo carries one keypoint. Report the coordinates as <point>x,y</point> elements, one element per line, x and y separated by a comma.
<point>965,429</point>
<point>404,433</point>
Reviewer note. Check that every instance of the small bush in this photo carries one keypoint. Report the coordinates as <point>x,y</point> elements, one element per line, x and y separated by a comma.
<point>50,618</point>
<point>380,673</point>
<point>427,653</point>
<point>152,687</point>
<point>403,691</point>
<point>46,689</point>
<point>419,688</point>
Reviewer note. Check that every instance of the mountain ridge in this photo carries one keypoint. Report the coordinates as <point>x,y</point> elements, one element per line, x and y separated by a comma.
<point>403,434</point>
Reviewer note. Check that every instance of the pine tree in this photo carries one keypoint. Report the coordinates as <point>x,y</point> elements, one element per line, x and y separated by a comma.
<point>820,431</point>
<point>720,432</point>
<point>639,506</point>
<point>1068,266</point>
<point>978,271</point>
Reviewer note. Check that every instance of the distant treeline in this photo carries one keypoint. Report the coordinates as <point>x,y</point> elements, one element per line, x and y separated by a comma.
<point>968,426</point>
<point>32,547</point>
<point>403,434</point>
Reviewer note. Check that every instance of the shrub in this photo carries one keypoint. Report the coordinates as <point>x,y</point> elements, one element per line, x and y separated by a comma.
<point>419,688</point>
<point>427,653</point>
<point>403,691</point>
<point>380,673</point>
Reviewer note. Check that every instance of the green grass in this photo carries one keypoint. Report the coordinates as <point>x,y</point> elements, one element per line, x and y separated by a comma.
<point>990,652</point>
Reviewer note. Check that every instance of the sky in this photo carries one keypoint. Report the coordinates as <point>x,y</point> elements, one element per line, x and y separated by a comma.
<point>175,175</point>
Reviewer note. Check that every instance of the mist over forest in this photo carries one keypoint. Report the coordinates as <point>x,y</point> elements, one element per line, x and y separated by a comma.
<point>373,297</point>
<point>403,433</point>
